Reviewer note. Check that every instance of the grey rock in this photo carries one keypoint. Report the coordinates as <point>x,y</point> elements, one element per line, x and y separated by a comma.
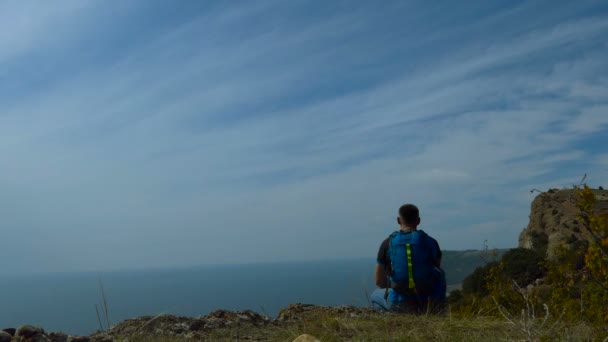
<point>10,331</point>
<point>5,337</point>
<point>28,331</point>
<point>58,337</point>
<point>38,338</point>
<point>107,338</point>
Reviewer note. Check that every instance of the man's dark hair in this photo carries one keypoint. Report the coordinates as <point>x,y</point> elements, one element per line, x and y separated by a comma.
<point>409,213</point>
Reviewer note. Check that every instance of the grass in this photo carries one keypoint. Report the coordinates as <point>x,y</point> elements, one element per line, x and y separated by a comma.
<point>331,325</point>
<point>328,328</point>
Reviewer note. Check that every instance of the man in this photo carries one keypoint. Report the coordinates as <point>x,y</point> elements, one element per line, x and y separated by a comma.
<point>408,271</point>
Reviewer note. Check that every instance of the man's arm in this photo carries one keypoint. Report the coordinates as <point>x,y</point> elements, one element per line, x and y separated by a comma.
<point>380,277</point>
<point>382,262</point>
<point>436,251</point>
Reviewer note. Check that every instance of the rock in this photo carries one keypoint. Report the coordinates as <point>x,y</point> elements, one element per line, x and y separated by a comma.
<point>555,221</point>
<point>28,331</point>
<point>78,339</point>
<point>100,338</point>
<point>306,338</point>
<point>198,325</point>
<point>181,328</point>
<point>38,338</point>
<point>554,240</point>
<point>10,331</point>
<point>5,337</point>
<point>58,337</point>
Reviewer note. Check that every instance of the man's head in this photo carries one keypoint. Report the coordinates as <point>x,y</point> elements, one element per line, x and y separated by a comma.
<point>409,216</point>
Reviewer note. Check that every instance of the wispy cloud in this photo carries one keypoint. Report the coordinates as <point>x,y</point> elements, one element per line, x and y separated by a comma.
<point>267,123</point>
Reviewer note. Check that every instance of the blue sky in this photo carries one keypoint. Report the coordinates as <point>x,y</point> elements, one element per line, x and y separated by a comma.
<point>155,134</point>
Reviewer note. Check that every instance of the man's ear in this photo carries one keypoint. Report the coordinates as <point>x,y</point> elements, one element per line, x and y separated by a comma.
<point>399,220</point>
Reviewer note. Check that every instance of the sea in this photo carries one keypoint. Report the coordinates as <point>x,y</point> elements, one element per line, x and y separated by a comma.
<point>67,301</point>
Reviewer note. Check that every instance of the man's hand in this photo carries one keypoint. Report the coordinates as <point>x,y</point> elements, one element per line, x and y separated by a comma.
<point>380,276</point>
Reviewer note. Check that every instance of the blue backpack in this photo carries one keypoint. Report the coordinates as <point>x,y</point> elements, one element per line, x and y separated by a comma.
<point>414,273</point>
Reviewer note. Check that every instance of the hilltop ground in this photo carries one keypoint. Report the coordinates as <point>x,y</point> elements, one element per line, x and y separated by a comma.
<point>352,324</point>
<point>329,324</point>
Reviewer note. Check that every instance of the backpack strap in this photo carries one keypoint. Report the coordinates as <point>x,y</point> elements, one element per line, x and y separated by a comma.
<point>388,273</point>
<point>410,268</point>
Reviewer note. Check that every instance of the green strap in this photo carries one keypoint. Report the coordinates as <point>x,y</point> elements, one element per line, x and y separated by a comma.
<point>410,266</point>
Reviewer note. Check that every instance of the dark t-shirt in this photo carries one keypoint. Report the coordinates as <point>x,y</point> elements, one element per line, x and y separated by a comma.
<point>383,258</point>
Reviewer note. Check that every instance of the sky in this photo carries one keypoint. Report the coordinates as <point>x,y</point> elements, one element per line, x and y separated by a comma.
<point>138,134</point>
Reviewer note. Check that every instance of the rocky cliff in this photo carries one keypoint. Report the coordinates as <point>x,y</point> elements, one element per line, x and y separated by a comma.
<point>554,220</point>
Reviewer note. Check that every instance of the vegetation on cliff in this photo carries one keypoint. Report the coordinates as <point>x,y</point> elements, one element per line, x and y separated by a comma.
<point>541,291</point>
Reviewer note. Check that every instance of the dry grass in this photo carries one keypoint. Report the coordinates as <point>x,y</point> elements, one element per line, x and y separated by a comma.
<point>329,328</point>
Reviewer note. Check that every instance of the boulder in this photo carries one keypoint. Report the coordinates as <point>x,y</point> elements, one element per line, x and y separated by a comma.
<point>58,337</point>
<point>39,338</point>
<point>28,331</point>
<point>5,337</point>
<point>10,331</point>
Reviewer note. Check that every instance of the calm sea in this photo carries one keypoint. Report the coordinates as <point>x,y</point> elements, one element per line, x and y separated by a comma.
<point>66,302</point>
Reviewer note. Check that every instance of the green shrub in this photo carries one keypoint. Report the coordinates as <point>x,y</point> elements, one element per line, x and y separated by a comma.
<point>523,266</point>
<point>476,283</point>
<point>455,297</point>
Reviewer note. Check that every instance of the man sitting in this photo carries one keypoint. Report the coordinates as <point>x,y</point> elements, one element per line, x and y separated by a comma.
<point>408,271</point>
